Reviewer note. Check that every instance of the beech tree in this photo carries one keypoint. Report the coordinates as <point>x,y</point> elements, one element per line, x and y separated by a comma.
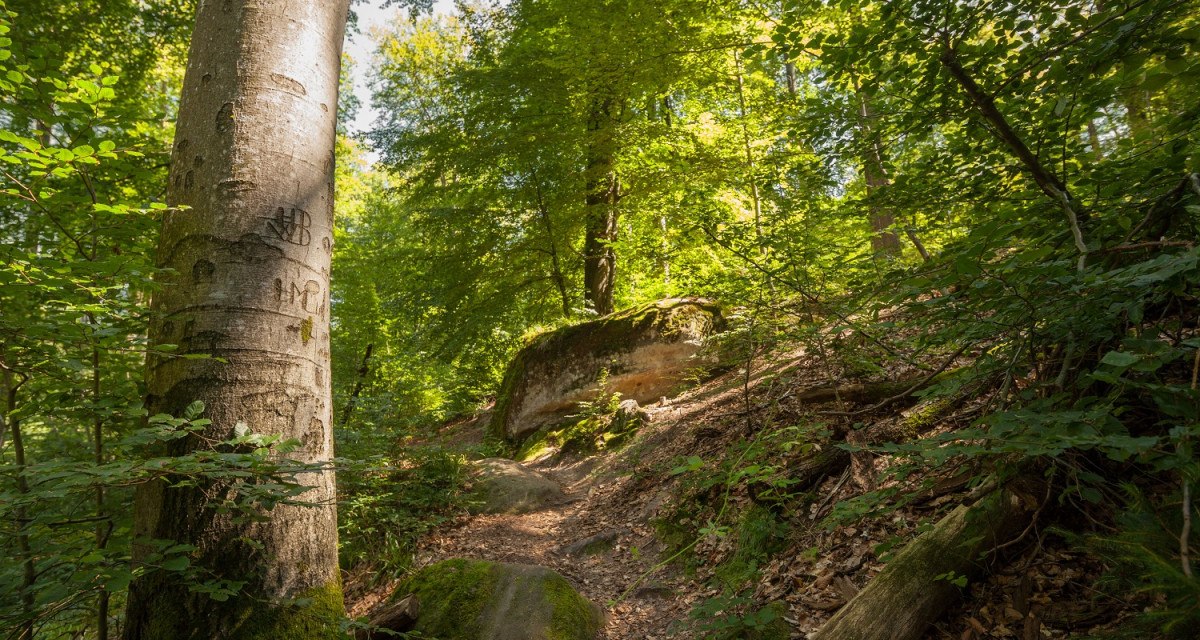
<point>249,255</point>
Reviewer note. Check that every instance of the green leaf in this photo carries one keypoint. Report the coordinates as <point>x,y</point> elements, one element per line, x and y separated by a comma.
<point>177,563</point>
<point>1120,359</point>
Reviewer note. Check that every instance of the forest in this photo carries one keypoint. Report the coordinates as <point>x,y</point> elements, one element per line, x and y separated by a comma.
<point>583,319</point>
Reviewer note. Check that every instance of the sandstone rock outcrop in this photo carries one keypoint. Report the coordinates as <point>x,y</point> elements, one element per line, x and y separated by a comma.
<point>643,354</point>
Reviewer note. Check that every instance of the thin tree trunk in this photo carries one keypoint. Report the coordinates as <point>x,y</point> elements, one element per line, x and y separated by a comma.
<point>24,549</point>
<point>102,524</point>
<point>1049,183</point>
<point>254,162</point>
<point>1137,108</point>
<point>1094,140</point>
<point>602,187</point>
<point>560,280</point>
<point>756,200</point>
<point>664,248</point>
<point>361,378</point>
<point>920,246</point>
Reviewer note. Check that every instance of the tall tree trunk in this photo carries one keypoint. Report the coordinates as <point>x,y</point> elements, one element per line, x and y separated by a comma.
<point>884,241</point>
<point>602,192</point>
<point>253,160</point>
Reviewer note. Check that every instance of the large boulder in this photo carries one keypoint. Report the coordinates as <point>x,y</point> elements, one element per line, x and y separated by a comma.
<point>507,486</point>
<point>647,352</point>
<point>479,600</point>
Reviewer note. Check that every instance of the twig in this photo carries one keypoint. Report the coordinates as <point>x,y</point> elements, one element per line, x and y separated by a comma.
<point>1147,245</point>
<point>837,487</point>
<point>1032,523</point>
<point>806,294</point>
<point>1185,535</point>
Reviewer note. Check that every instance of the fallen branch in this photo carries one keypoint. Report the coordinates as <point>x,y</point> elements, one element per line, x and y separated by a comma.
<point>919,384</point>
<point>918,584</point>
<point>1135,246</point>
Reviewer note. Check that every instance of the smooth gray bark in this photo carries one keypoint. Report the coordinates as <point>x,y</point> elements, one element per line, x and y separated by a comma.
<point>253,161</point>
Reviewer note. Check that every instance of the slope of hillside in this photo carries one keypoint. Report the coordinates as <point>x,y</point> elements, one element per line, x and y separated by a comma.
<point>737,512</point>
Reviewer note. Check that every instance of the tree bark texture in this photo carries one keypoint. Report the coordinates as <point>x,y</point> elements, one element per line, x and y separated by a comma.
<point>915,587</point>
<point>884,241</point>
<point>600,206</point>
<point>253,161</point>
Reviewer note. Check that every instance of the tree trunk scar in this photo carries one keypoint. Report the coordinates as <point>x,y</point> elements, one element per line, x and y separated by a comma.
<point>225,117</point>
<point>290,85</point>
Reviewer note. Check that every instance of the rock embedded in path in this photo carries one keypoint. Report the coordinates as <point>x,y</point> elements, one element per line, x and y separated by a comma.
<point>592,545</point>
<point>507,486</point>
<point>480,600</point>
<point>647,352</point>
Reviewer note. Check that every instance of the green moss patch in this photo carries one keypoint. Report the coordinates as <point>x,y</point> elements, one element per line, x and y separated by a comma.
<point>315,614</point>
<point>478,600</point>
<point>453,595</point>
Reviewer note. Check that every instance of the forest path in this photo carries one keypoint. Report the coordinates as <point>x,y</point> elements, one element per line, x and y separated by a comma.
<point>621,551</point>
<point>616,496</point>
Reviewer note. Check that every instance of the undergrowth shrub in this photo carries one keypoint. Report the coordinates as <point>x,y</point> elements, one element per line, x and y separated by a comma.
<point>387,502</point>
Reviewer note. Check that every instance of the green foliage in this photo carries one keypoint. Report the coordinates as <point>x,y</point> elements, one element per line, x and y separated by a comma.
<point>884,183</point>
<point>83,98</point>
<point>387,502</point>
<point>1143,559</point>
<point>728,617</point>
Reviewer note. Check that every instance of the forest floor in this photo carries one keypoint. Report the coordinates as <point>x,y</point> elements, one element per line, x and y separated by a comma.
<point>620,501</point>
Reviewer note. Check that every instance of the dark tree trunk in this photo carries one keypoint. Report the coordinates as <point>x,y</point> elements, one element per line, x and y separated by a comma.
<point>560,279</point>
<point>359,380</point>
<point>600,203</point>
<point>253,160</point>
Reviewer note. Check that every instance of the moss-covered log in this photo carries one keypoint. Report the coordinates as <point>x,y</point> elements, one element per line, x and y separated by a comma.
<point>858,393</point>
<point>918,584</point>
<point>814,467</point>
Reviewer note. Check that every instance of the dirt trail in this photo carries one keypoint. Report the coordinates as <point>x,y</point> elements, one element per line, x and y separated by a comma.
<point>614,496</point>
<point>602,576</point>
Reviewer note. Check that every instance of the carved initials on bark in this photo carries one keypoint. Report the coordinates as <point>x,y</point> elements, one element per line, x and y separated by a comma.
<point>291,225</point>
<point>309,297</point>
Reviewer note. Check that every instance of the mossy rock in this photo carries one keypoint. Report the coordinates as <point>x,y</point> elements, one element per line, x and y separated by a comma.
<point>505,486</point>
<point>642,354</point>
<point>479,600</point>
